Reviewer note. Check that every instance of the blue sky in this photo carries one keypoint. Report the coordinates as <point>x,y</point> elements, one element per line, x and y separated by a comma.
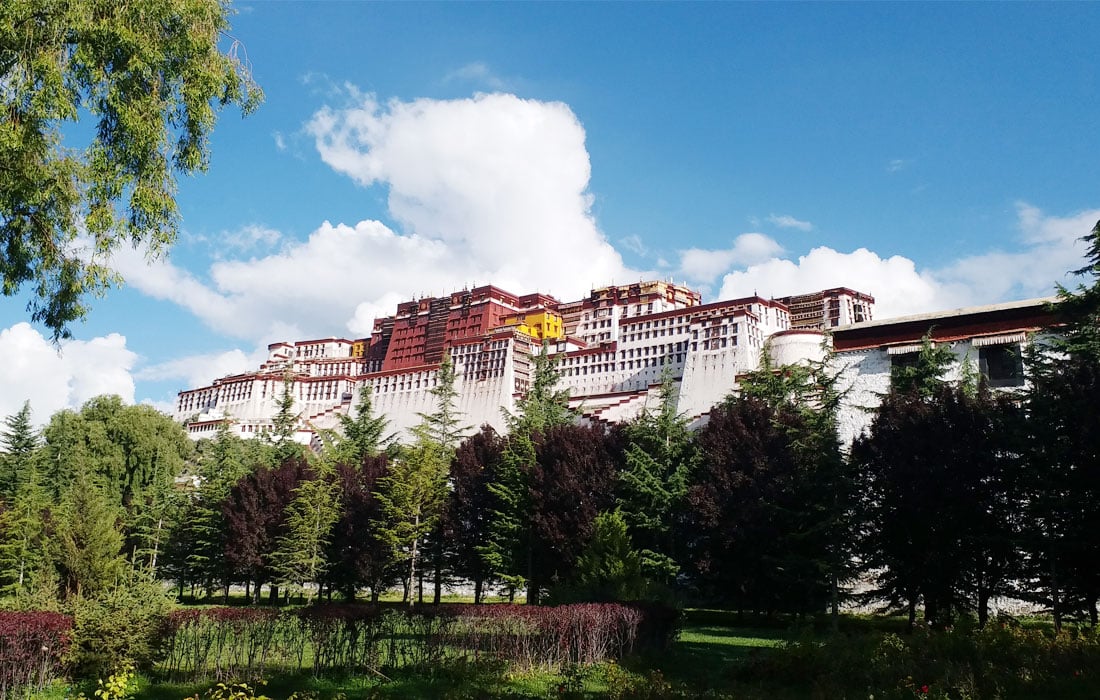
<point>934,155</point>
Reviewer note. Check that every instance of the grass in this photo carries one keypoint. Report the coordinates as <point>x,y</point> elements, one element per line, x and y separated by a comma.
<point>710,660</point>
<point>699,665</point>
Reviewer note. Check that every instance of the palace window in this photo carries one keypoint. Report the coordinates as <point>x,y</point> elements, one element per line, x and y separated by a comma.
<point>1002,365</point>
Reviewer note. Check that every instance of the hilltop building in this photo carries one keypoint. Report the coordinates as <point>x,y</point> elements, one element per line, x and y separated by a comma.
<point>612,347</point>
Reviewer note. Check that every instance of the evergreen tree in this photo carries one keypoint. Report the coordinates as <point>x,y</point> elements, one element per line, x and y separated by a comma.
<point>659,459</point>
<point>196,546</point>
<point>89,539</point>
<point>1063,483</point>
<point>24,536</point>
<point>285,424</point>
<point>609,568</point>
<point>412,496</point>
<point>826,490</point>
<point>924,376</point>
<point>364,435</point>
<point>299,557</point>
<point>507,550</point>
<point>754,533</point>
<point>941,493</point>
<point>18,442</point>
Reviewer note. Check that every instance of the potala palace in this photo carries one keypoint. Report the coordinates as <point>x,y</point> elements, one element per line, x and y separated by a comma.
<point>611,349</point>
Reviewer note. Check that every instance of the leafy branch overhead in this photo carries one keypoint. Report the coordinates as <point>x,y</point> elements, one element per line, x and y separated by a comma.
<point>148,79</point>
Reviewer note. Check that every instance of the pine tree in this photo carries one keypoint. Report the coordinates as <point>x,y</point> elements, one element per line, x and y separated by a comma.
<point>508,549</point>
<point>659,459</point>
<point>299,557</point>
<point>285,424</point>
<point>364,435</point>
<point>24,536</point>
<point>17,445</point>
<point>609,568</point>
<point>89,539</point>
<point>923,378</point>
<point>414,493</point>
<point>1063,482</point>
<point>411,498</point>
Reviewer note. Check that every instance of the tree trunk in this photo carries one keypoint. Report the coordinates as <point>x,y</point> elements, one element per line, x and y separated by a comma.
<point>412,560</point>
<point>532,584</point>
<point>835,603</point>
<point>477,591</point>
<point>438,573</point>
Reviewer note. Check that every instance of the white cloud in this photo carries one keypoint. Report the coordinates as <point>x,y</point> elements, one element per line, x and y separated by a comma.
<point>53,378</point>
<point>896,164</point>
<point>198,370</point>
<point>786,221</point>
<point>1049,249</point>
<point>491,189</point>
<point>700,265</point>
<point>634,244</point>
<point>250,237</point>
<point>476,72</point>
<point>896,284</point>
<point>280,141</point>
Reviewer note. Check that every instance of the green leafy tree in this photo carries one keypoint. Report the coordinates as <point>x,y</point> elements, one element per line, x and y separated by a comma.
<point>151,77</point>
<point>134,452</point>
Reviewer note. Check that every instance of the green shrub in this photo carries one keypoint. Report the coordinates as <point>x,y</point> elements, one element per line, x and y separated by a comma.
<point>120,625</point>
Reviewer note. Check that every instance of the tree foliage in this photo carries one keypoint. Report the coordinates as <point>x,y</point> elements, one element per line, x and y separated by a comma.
<point>659,459</point>
<point>469,508</point>
<point>941,493</point>
<point>151,78</point>
<point>18,442</point>
<point>356,556</point>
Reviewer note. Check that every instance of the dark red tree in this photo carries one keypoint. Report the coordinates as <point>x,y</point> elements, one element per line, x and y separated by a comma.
<point>469,506</point>
<point>754,536</point>
<point>572,481</point>
<point>357,559</point>
<point>255,514</point>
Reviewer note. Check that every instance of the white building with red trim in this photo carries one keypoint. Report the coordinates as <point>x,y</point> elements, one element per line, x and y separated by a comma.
<point>612,348</point>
